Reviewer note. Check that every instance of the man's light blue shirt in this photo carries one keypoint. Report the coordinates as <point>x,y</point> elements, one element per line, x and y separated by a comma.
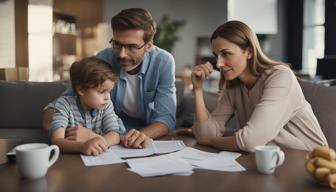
<point>157,92</point>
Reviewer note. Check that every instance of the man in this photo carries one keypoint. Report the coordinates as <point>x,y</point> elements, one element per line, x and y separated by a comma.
<point>144,97</point>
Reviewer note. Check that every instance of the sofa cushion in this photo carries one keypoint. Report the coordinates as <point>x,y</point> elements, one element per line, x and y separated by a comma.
<point>322,100</point>
<point>179,84</point>
<point>22,102</point>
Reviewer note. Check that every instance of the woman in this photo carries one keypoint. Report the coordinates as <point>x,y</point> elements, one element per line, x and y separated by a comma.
<point>265,95</point>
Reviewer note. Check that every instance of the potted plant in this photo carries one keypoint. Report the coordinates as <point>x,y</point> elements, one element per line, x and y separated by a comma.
<point>166,34</point>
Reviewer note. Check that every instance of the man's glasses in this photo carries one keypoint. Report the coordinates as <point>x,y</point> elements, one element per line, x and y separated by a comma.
<point>131,48</point>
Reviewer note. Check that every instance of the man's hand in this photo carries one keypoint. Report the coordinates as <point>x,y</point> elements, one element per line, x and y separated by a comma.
<point>47,119</point>
<point>79,133</point>
<point>135,139</point>
<point>94,146</point>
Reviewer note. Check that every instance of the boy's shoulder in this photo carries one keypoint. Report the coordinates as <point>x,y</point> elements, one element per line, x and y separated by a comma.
<point>108,108</point>
<point>65,101</point>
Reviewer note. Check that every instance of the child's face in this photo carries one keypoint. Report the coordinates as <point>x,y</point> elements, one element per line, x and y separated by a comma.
<point>96,98</point>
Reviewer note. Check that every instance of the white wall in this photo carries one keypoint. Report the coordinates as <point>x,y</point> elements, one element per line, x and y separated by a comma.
<point>202,17</point>
<point>40,33</point>
<point>7,34</point>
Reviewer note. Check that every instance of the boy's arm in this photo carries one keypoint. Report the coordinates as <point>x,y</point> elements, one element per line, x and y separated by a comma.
<point>94,146</point>
<point>112,138</point>
<point>49,110</point>
<point>65,145</point>
<point>112,126</point>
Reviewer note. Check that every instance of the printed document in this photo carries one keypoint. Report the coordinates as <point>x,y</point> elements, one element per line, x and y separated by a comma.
<point>103,159</point>
<point>154,147</point>
<point>115,153</point>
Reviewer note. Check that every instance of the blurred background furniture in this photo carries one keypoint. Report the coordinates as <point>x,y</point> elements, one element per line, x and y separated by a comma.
<point>326,68</point>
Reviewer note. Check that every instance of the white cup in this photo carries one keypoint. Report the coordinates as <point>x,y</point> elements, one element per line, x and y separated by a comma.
<point>268,158</point>
<point>33,160</point>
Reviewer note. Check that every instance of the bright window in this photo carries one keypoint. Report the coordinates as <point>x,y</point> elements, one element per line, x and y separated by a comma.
<point>313,35</point>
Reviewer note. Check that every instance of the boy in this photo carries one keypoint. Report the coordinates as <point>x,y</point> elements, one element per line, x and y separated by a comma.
<point>92,80</point>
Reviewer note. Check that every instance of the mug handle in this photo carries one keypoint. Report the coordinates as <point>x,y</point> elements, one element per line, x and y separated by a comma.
<point>53,159</point>
<point>280,158</point>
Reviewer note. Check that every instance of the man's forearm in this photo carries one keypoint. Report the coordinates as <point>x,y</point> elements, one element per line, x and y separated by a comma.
<point>155,130</point>
<point>47,118</point>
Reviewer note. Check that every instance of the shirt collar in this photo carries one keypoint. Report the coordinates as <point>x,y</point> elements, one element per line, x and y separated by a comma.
<point>82,111</point>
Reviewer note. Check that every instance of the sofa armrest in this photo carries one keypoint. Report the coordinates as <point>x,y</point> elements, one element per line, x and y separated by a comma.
<point>185,113</point>
<point>22,102</point>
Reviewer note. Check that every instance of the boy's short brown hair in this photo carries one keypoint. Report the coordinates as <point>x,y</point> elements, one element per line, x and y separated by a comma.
<point>90,72</point>
<point>135,18</point>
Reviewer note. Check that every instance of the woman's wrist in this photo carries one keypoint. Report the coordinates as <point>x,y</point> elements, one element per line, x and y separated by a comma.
<point>198,91</point>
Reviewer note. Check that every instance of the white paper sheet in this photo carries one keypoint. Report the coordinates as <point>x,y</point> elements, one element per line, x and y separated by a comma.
<point>154,147</point>
<point>168,146</point>
<point>228,154</point>
<point>122,152</point>
<point>193,155</point>
<point>160,165</point>
<point>103,159</point>
<point>114,153</point>
<point>220,164</point>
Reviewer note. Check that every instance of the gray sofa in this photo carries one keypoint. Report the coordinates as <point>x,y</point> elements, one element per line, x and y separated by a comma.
<point>22,103</point>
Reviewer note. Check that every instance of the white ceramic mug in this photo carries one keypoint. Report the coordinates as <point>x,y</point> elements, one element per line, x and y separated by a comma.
<point>33,160</point>
<point>268,158</point>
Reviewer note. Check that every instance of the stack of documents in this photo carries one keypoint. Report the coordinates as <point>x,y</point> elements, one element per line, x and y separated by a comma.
<point>181,162</point>
<point>184,161</point>
<point>223,161</point>
<point>160,165</point>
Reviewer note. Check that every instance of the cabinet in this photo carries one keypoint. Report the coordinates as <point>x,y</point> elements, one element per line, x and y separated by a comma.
<point>65,40</point>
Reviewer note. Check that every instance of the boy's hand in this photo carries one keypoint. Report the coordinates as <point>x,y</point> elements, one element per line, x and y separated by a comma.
<point>135,139</point>
<point>94,146</point>
<point>79,133</point>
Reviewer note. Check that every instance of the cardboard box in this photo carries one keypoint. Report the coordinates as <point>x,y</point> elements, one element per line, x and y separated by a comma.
<point>23,73</point>
<point>12,74</point>
<point>5,146</point>
<point>9,74</point>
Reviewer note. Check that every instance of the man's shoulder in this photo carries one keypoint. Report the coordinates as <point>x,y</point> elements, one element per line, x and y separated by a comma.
<point>106,55</point>
<point>109,57</point>
<point>160,54</point>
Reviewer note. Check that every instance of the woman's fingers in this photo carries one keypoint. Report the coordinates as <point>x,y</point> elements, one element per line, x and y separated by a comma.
<point>207,69</point>
<point>199,74</point>
<point>203,70</point>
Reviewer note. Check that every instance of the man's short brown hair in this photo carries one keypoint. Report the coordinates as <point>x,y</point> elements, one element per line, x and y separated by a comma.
<point>90,72</point>
<point>135,18</point>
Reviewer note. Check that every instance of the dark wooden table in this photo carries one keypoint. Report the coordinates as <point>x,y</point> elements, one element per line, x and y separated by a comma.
<point>70,174</point>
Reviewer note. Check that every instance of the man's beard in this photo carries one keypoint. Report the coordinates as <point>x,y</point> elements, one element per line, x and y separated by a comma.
<point>131,64</point>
